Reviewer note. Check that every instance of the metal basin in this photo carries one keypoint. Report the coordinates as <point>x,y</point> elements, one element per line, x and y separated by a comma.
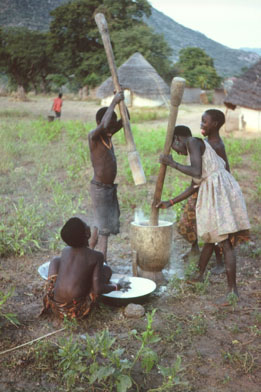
<point>140,289</point>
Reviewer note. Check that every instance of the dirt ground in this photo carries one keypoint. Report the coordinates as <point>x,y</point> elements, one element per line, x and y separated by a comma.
<point>219,345</point>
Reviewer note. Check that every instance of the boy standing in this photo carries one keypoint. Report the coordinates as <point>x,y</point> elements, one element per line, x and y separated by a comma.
<point>57,105</point>
<point>77,276</point>
<point>103,190</point>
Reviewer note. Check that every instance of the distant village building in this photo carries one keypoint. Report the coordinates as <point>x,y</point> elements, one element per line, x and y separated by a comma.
<point>197,95</point>
<point>143,87</point>
<point>243,101</point>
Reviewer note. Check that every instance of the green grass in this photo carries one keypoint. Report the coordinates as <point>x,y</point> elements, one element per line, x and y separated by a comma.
<point>149,114</point>
<point>8,113</point>
<point>45,169</point>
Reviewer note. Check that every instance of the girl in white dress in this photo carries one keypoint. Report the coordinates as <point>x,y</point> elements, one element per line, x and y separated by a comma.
<point>221,213</point>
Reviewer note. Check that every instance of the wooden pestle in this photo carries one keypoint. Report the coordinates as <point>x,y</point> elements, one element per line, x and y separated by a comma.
<point>133,155</point>
<point>177,89</point>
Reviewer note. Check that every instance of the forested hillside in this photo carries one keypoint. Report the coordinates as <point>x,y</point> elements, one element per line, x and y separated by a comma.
<point>34,14</point>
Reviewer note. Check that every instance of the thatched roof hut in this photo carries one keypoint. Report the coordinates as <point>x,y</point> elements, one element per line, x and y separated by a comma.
<point>245,97</point>
<point>141,83</point>
<point>246,90</point>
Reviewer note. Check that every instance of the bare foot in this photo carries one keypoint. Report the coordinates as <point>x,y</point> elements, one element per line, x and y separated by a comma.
<point>195,279</point>
<point>231,299</point>
<point>222,301</point>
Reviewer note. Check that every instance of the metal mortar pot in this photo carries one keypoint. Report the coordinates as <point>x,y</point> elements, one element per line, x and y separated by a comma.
<point>151,247</point>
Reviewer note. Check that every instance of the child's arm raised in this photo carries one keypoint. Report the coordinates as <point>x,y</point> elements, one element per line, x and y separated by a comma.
<point>119,124</point>
<point>105,122</point>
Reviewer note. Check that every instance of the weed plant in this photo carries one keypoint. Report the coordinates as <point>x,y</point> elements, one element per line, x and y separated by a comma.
<point>11,317</point>
<point>198,324</point>
<point>22,229</point>
<point>201,287</point>
<point>232,300</point>
<point>241,361</point>
<point>97,362</point>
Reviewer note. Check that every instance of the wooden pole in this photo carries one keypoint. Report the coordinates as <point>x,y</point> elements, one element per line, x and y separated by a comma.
<point>133,155</point>
<point>177,89</point>
<point>31,341</point>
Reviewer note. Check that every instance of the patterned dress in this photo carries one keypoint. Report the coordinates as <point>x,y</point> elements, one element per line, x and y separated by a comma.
<point>187,225</point>
<point>77,308</point>
<point>220,210</point>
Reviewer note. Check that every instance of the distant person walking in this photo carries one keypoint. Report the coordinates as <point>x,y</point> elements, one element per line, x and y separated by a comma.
<point>57,105</point>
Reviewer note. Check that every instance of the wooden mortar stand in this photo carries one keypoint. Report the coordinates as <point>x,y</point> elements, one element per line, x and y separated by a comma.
<point>177,89</point>
<point>133,155</point>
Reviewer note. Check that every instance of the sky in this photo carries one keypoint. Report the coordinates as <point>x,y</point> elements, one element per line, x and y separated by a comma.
<point>234,23</point>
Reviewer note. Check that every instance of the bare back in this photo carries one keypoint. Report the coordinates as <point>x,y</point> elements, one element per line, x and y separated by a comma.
<point>80,272</point>
<point>219,147</point>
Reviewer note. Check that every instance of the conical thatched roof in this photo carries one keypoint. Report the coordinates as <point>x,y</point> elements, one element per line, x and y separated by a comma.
<point>139,76</point>
<point>246,90</point>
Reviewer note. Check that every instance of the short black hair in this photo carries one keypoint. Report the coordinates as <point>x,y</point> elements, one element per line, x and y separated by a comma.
<point>60,95</point>
<point>101,112</point>
<point>75,232</point>
<point>216,115</point>
<point>182,130</point>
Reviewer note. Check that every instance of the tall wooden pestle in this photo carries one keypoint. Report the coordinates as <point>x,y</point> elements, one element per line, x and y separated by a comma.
<point>177,89</point>
<point>133,155</point>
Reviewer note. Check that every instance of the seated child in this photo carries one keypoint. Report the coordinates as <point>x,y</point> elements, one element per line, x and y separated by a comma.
<point>78,276</point>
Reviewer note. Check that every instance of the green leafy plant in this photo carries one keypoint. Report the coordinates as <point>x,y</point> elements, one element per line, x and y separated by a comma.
<point>71,364</point>
<point>198,324</point>
<point>191,267</point>
<point>177,286</point>
<point>98,360</point>
<point>171,377</point>
<point>22,229</point>
<point>11,317</point>
<point>201,287</point>
<point>232,300</point>
<point>147,355</point>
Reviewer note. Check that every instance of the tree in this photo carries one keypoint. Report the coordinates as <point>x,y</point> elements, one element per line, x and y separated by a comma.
<point>142,39</point>
<point>197,68</point>
<point>24,57</point>
<point>77,45</point>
